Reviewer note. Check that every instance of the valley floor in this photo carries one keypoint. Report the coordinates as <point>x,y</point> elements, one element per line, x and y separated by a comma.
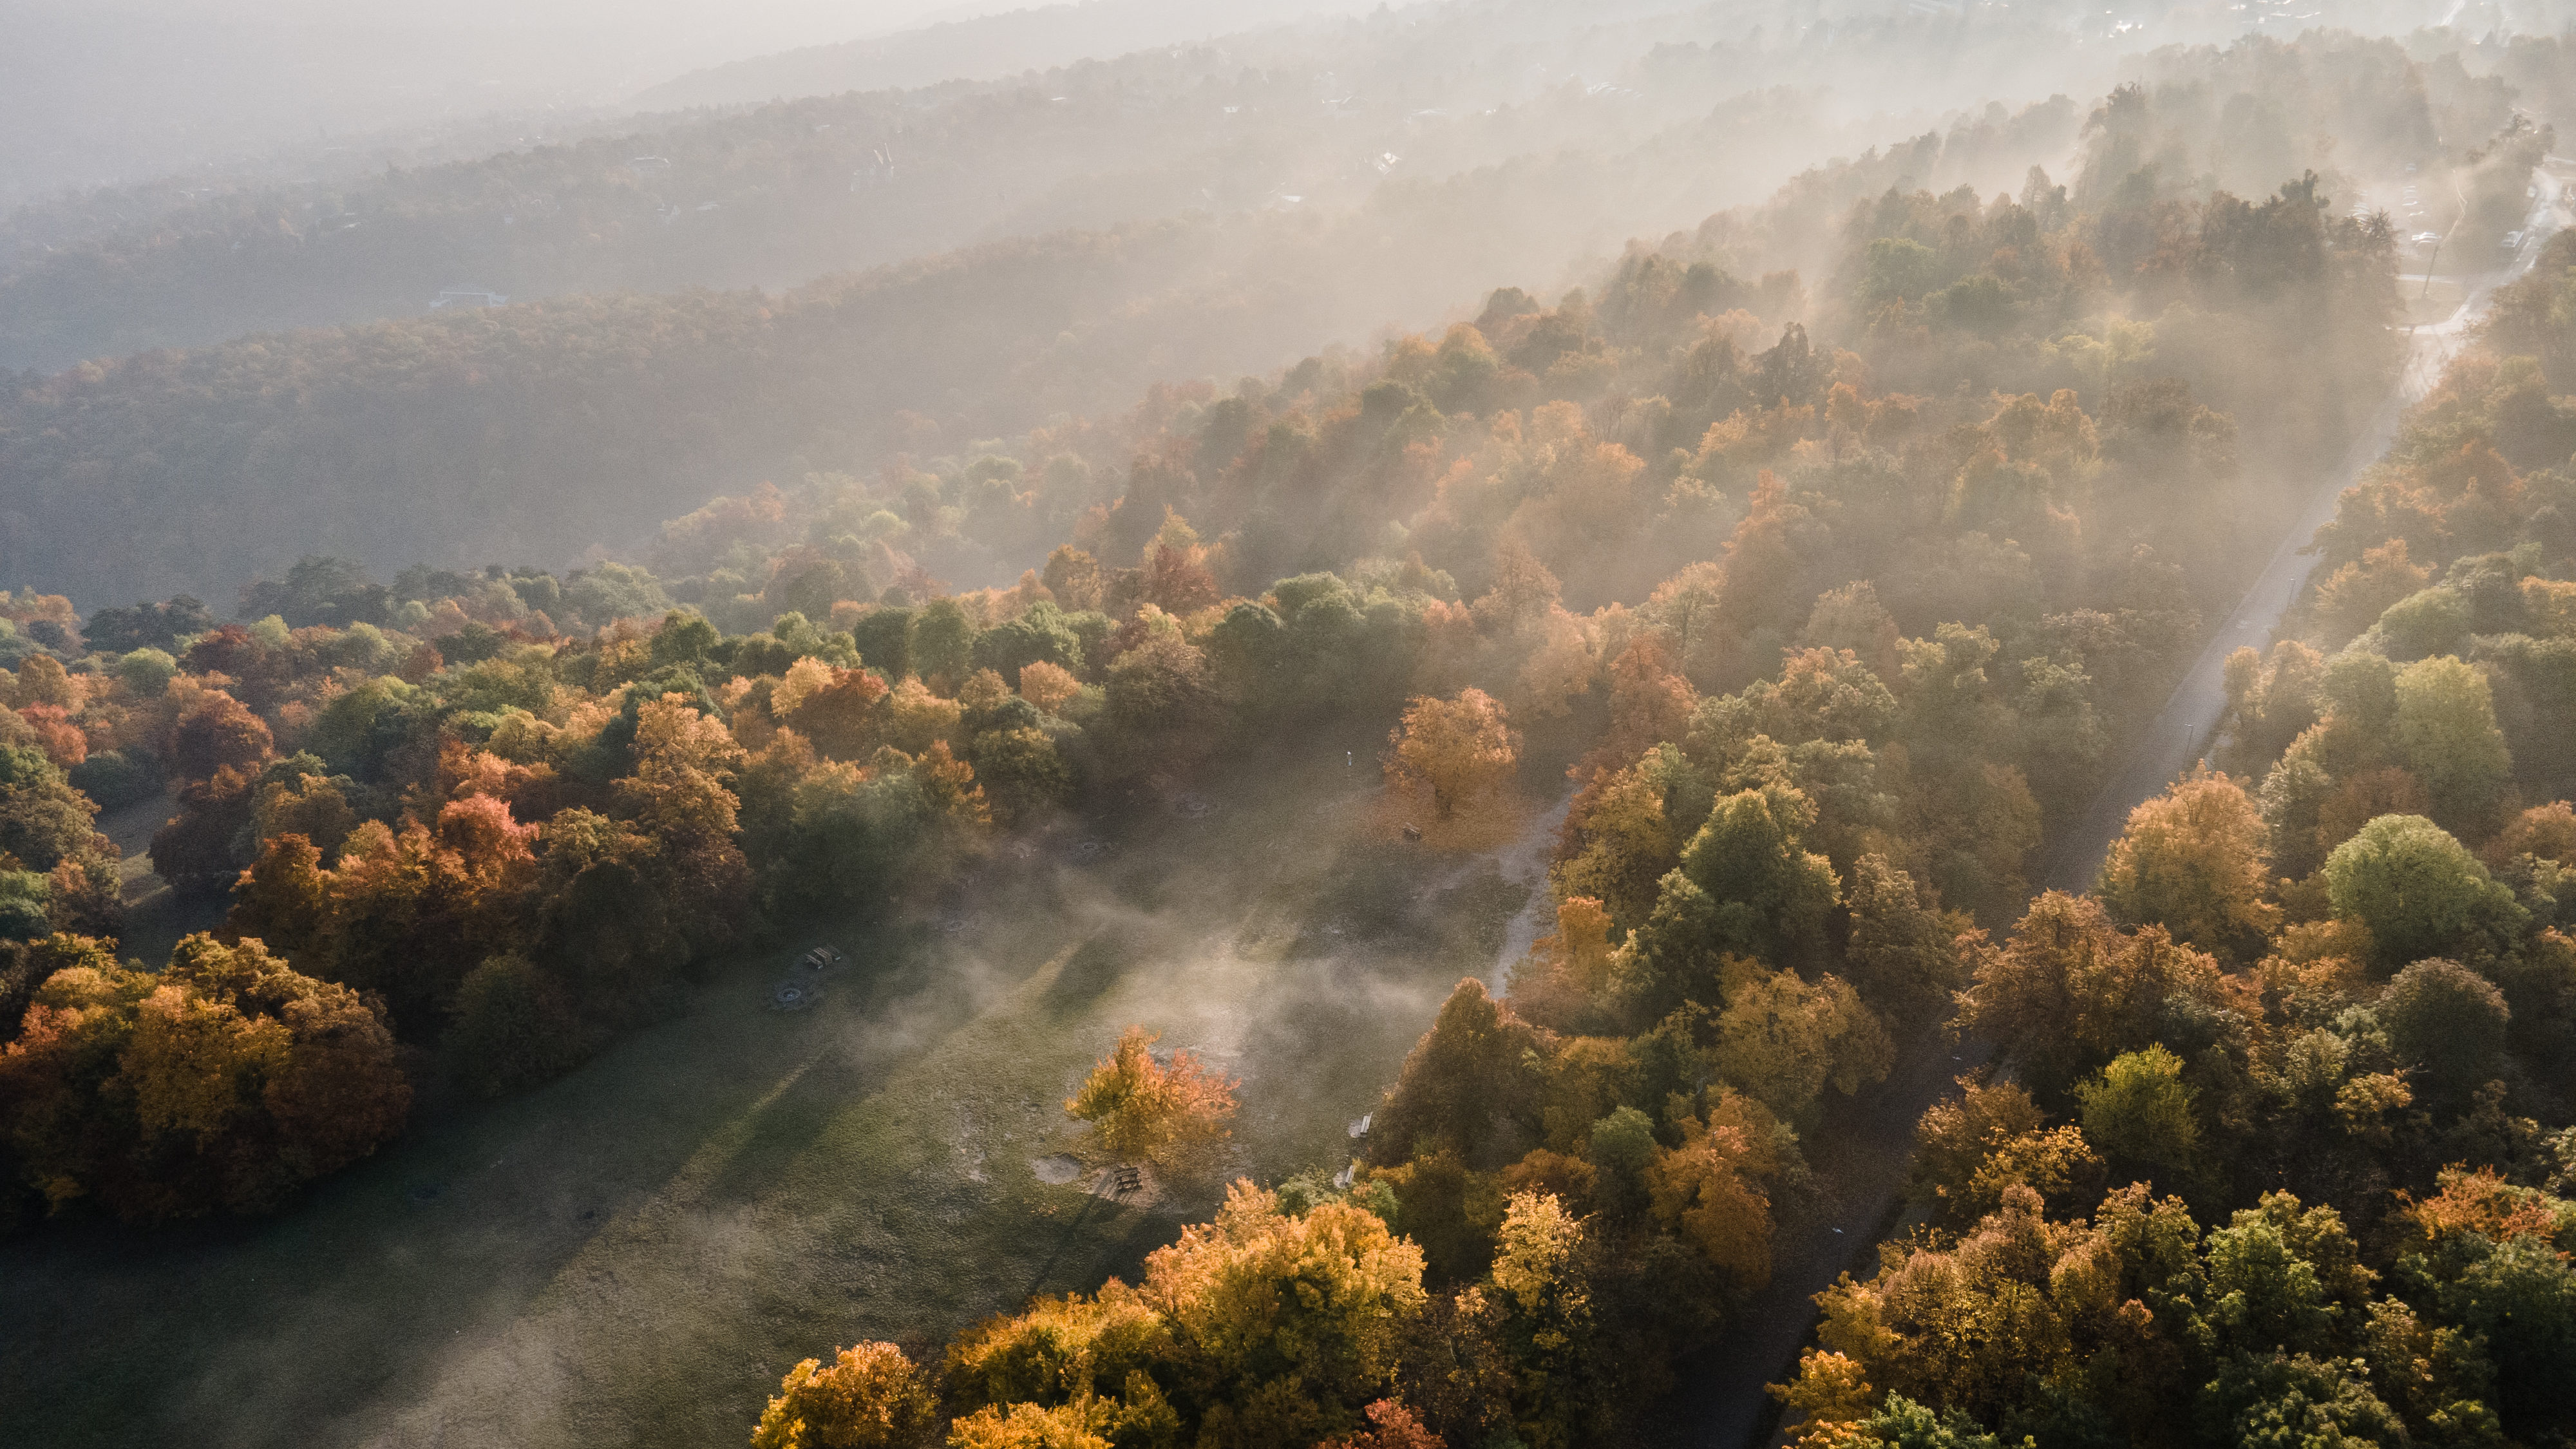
<point>636,1253</point>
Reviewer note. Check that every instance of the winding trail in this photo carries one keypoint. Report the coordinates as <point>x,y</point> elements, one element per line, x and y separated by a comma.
<point>1862,1160</point>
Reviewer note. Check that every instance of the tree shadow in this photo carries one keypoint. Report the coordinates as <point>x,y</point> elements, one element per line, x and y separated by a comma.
<point>1086,976</point>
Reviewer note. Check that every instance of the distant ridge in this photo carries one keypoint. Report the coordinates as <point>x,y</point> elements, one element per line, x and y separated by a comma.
<point>978,49</point>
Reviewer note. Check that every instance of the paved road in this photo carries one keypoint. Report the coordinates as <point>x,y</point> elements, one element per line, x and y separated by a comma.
<point>1863,1160</point>
<point>2188,724</point>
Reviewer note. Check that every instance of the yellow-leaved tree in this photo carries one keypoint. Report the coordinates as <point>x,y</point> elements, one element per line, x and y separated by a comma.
<point>1456,748</point>
<point>1143,1111</point>
<point>871,1397</point>
<point>2195,860</point>
<point>1266,1329</point>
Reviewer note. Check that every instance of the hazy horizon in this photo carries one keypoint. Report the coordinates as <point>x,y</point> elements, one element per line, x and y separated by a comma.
<point>98,94</point>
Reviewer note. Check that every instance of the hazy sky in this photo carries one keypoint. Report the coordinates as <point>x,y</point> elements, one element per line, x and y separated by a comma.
<point>112,90</point>
<point>105,91</point>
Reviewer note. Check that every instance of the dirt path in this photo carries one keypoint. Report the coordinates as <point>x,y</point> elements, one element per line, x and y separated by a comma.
<point>1862,1155</point>
<point>1524,863</point>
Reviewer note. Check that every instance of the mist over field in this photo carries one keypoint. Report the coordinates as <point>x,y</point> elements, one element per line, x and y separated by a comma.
<point>1288,724</point>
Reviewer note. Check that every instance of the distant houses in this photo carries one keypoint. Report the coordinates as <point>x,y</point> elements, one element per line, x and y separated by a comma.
<point>468,297</point>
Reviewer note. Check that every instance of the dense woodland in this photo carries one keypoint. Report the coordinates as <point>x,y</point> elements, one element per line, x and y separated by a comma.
<point>537,432</point>
<point>462,434</point>
<point>1312,118</point>
<point>1842,544</point>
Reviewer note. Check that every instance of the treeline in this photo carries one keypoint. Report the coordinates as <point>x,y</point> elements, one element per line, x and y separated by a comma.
<point>534,432</point>
<point>1620,434</point>
<point>538,431</point>
<point>857,175</point>
<point>787,191</point>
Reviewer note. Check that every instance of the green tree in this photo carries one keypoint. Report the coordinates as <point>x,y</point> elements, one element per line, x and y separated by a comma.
<point>1904,958</point>
<point>2139,1112</point>
<point>2447,1023</point>
<point>2446,730</point>
<point>1465,1077</point>
<point>1771,895</point>
<point>2419,892</point>
<point>2521,1297</point>
<point>43,820</point>
<point>514,1028</point>
<point>1160,689</point>
<point>2294,1401</point>
<point>1902,1423</point>
<point>2284,1278</point>
<point>942,640</point>
<point>684,638</point>
<point>1040,634</point>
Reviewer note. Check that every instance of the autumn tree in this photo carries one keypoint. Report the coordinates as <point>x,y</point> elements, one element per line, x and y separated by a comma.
<point>1969,1149</point>
<point>1458,749</point>
<point>2193,860</point>
<point>2069,990</point>
<point>678,796</point>
<point>1705,1191</point>
<point>1276,1366</point>
<point>1048,686</point>
<point>1566,972</point>
<point>1142,1111</point>
<point>840,710</point>
<point>1263,1328</point>
<point>1619,836</point>
<point>1391,1426</point>
<point>870,1397</point>
<point>1539,1274</point>
<point>220,1084</point>
<point>1784,1040</point>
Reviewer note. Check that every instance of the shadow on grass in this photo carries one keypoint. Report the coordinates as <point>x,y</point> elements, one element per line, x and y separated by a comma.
<point>1118,1246</point>
<point>1097,965</point>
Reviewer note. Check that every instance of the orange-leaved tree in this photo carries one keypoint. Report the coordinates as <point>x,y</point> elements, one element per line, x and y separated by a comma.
<point>2195,861</point>
<point>1141,1110</point>
<point>1457,748</point>
<point>871,1397</point>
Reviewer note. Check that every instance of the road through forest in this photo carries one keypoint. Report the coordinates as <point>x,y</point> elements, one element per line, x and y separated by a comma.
<point>1865,1159</point>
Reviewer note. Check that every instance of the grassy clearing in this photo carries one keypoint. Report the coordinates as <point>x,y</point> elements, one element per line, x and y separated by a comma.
<point>633,1255</point>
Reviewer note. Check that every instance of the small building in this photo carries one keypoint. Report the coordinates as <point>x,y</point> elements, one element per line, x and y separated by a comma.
<point>468,297</point>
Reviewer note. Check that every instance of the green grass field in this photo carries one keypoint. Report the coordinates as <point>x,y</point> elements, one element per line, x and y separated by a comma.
<point>634,1254</point>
